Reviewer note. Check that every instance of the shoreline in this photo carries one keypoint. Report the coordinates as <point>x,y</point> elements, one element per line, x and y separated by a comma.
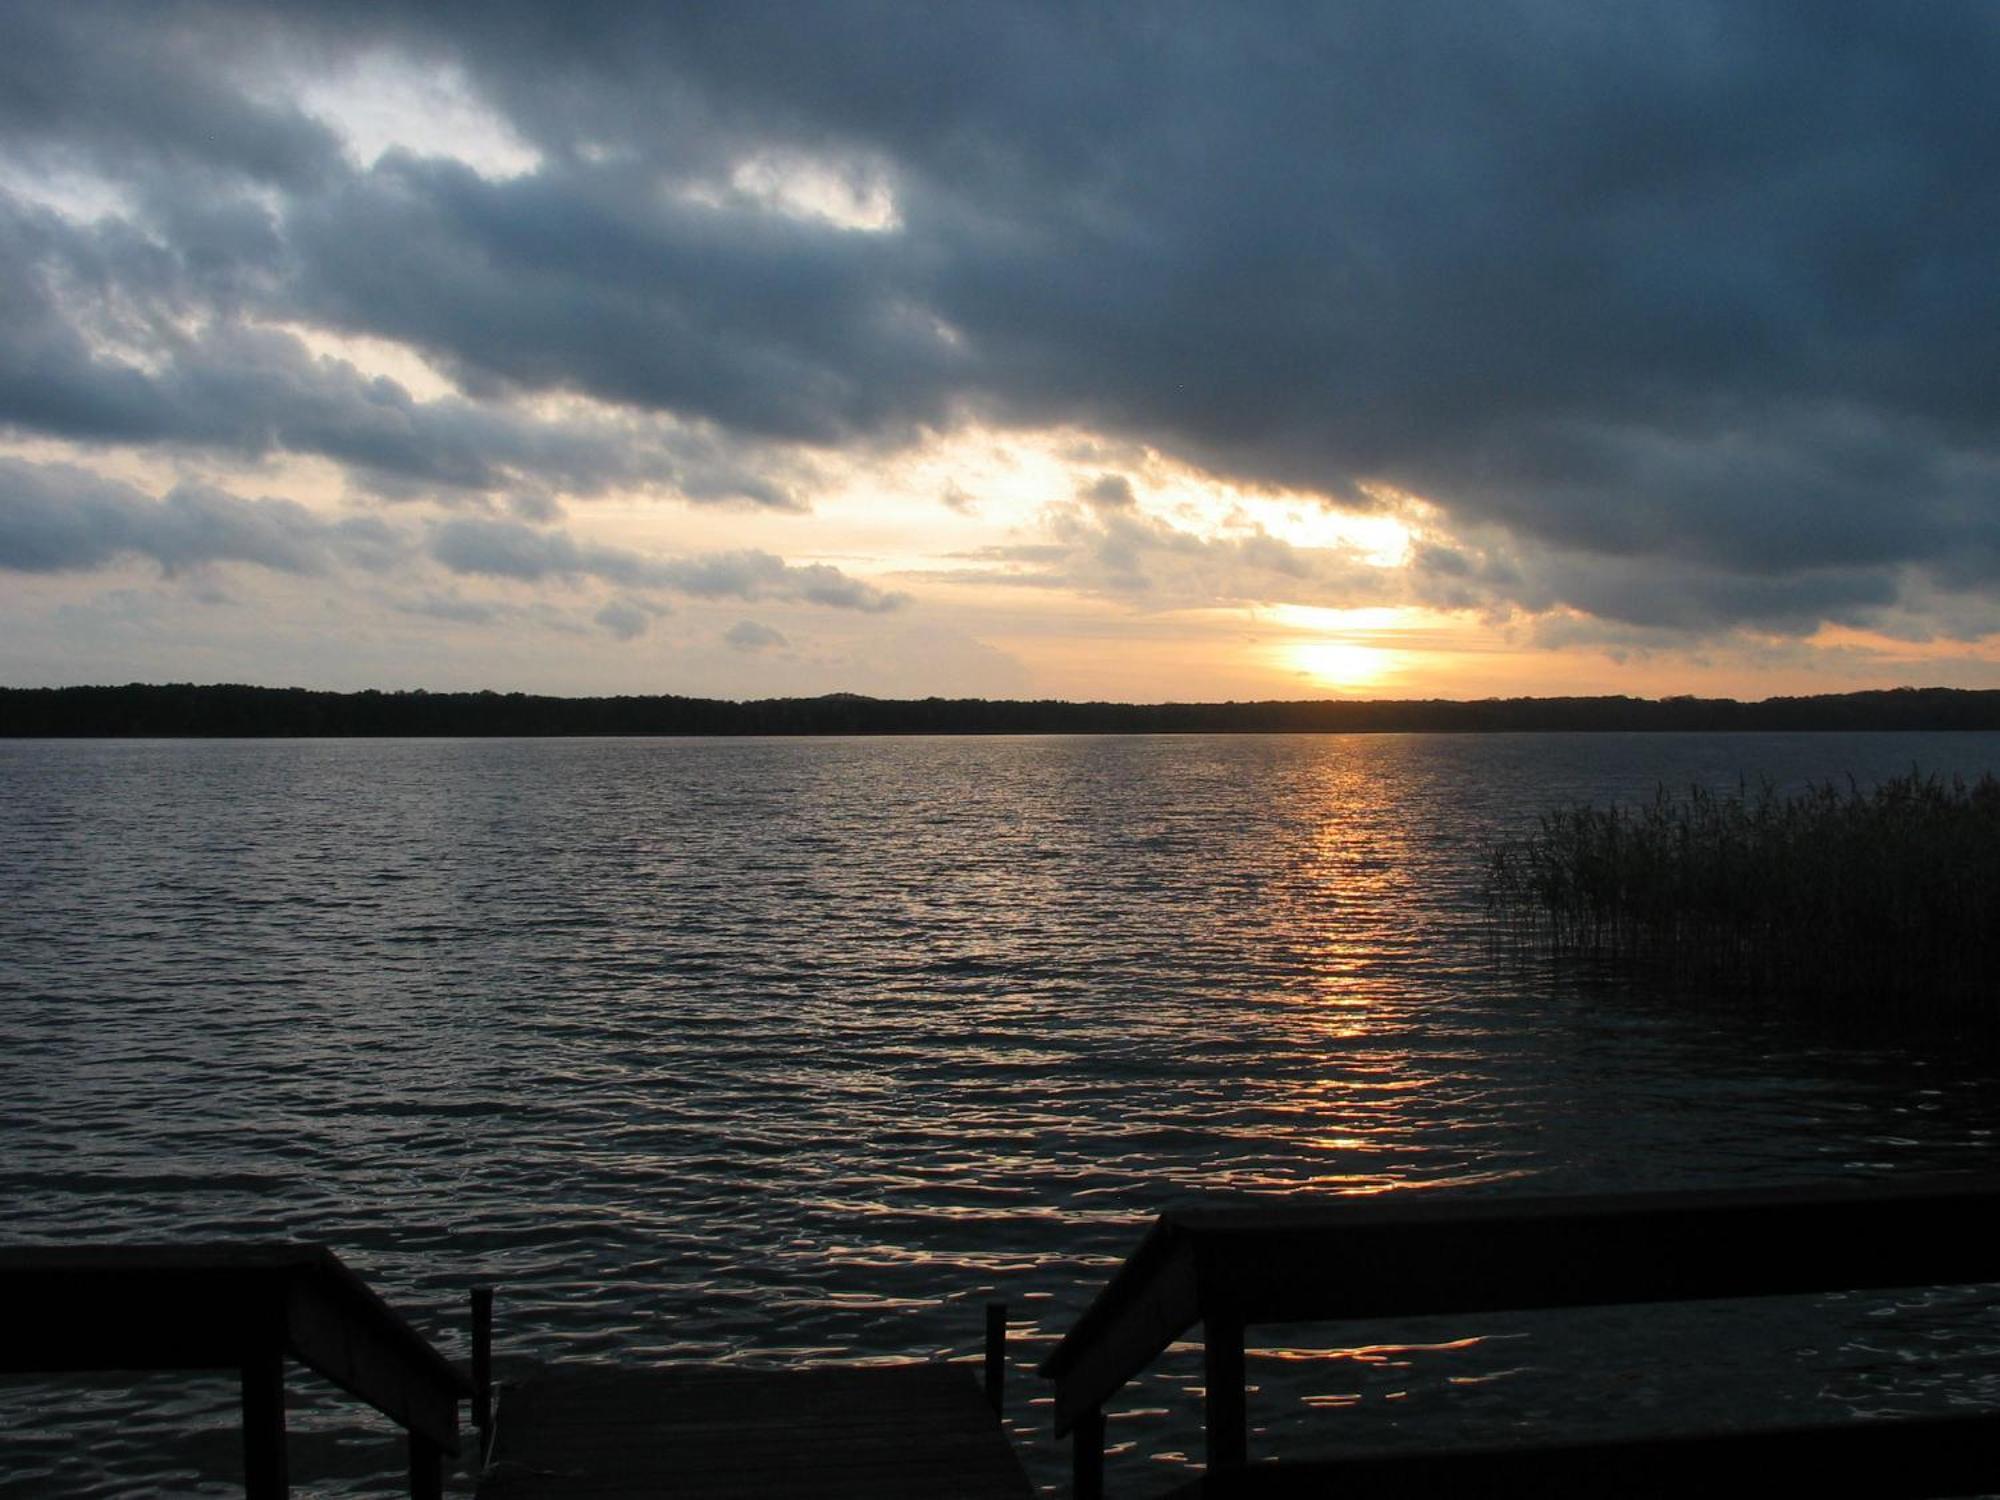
<point>233,711</point>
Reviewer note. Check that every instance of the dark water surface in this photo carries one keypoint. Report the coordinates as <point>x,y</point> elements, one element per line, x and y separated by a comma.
<point>787,1051</point>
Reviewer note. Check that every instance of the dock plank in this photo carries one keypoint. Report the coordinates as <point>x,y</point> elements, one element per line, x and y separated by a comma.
<point>607,1432</point>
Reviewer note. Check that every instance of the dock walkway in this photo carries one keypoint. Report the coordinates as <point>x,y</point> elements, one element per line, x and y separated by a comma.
<point>607,1432</point>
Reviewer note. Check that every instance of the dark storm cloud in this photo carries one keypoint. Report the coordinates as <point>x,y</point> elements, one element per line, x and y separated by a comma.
<point>591,277</point>
<point>1645,592</point>
<point>94,347</point>
<point>1702,288</point>
<point>148,88</point>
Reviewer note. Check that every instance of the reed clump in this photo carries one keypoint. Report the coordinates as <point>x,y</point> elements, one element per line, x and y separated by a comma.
<point>1841,893</point>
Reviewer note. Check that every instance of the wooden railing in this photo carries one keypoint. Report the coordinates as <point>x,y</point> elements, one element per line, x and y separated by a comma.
<point>1414,1255</point>
<point>242,1307</point>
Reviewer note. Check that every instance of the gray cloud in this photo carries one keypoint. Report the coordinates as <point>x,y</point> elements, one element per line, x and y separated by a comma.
<point>57,519</point>
<point>507,549</point>
<point>1109,492</point>
<point>1104,543</point>
<point>95,345</point>
<point>624,619</point>
<point>1702,288</point>
<point>451,608</point>
<point>1691,596</point>
<point>96,80</point>
<point>1704,601</point>
<point>748,635</point>
<point>592,278</point>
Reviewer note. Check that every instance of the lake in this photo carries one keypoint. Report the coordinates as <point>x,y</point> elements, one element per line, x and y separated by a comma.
<point>779,1051</point>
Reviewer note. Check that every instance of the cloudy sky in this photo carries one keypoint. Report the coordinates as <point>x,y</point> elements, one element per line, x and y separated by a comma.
<point>1135,352</point>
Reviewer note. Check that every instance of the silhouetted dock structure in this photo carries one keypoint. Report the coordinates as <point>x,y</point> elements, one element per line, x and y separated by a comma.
<point>920,1431</point>
<point>608,1432</point>
<point>1416,1255</point>
<point>594,1431</point>
<point>250,1308</point>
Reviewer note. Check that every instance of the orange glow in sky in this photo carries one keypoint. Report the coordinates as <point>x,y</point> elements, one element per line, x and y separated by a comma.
<point>1341,664</point>
<point>381,365</point>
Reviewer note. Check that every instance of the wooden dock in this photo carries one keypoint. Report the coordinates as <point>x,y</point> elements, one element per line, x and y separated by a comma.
<point>251,1308</point>
<point>1229,1268</point>
<point>916,1431</point>
<point>606,1432</point>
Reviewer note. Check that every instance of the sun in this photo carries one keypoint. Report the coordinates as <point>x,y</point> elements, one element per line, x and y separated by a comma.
<point>1340,663</point>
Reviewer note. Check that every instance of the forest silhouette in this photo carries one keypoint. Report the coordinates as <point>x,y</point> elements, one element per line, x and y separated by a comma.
<point>227,710</point>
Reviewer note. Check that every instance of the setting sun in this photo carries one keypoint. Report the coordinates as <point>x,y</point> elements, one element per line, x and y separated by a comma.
<point>1341,663</point>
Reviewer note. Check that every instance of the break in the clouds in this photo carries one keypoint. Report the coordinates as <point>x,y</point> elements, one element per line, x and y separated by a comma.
<point>1677,317</point>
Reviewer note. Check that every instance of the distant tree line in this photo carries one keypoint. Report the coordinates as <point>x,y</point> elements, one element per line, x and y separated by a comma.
<point>225,710</point>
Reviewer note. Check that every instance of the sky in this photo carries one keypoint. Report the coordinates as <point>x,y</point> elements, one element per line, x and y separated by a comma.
<point>1134,352</point>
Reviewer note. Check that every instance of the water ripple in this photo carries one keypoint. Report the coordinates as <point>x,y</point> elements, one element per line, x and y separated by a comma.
<point>774,1052</point>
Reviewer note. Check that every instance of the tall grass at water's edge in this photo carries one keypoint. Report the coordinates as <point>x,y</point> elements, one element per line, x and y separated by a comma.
<point>1888,894</point>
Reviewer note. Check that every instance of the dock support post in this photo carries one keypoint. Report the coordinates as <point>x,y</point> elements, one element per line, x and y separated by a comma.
<point>264,1473</point>
<point>482,1367</point>
<point>426,1468</point>
<point>1086,1455</point>
<point>1226,1418</point>
<point>996,1355</point>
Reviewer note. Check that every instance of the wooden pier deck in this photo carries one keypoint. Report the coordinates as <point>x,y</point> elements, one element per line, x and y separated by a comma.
<point>605,1432</point>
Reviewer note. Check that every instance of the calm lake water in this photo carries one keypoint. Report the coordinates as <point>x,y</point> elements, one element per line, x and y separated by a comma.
<point>787,1051</point>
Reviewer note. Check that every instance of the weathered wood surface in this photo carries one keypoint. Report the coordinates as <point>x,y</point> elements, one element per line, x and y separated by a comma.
<point>604,1432</point>
<point>1885,1459</point>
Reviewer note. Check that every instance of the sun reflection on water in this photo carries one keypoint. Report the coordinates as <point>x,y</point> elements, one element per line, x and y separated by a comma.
<point>766,1052</point>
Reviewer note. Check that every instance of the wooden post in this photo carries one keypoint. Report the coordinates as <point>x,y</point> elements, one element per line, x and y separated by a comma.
<point>482,1367</point>
<point>996,1355</point>
<point>1225,1406</point>
<point>426,1468</point>
<point>1086,1455</point>
<point>264,1473</point>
